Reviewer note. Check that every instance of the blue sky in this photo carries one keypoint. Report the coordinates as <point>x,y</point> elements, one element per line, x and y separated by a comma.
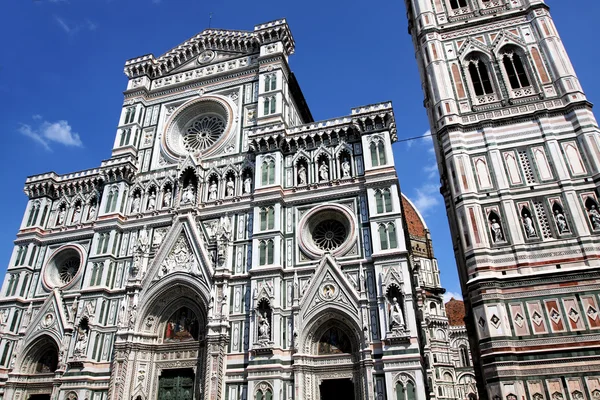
<point>61,80</point>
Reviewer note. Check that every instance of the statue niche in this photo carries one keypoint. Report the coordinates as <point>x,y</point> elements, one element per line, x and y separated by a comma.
<point>263,322</point>
<point>182,326</point>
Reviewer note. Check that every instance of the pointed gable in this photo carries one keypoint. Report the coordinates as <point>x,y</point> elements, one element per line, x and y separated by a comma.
<point>329,289</point>
<point>51,318</point>
<point>180,251</point>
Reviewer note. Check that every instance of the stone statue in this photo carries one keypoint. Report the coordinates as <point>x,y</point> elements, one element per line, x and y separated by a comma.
<point>229,188</point>
<point>323,171</point>
<point>594,216</point>
<point>396,318</point>
<point>132,316</point>
<point>151,202</point>
<point>81,343</point>
<point>77,214</point>
<point>143,241</point>
<point>188,194</point>
<point>264,328</point>
<point>61,216</point>
<point>497,235</point>
<point>135,205</point>
<point>346,168</point>
<point>74,309</point>
<point>561,222</point>
<point>212,191</point>
<point>247,185</point>
<point>92,212</point>
<point>225,226</point>
<point>167,198</point>
<point>4,317</point>
<point>121,315</point>
<point>528,226</point>
<point>27,316</point>
<point>302,175</point>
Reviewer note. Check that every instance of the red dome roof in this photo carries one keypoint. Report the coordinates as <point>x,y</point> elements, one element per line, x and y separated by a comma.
<point>414,221</point>
<point>455,311</point>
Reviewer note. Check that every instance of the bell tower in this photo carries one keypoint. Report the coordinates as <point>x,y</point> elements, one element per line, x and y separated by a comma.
<point>518,151</point>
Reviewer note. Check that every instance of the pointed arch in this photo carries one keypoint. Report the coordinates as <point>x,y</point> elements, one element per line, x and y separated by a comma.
<point>515,66</point>
<point>40,355</point>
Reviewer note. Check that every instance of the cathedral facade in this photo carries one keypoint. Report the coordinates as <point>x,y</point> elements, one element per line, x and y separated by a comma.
<point>230,247</point>
<point>518,151</point>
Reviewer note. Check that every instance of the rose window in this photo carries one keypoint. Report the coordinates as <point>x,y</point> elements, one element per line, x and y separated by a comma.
<point>68,270</point>
<point>203,132</point>
<point>63,267</point>
<point>327,228</point>
<point>329,235</point>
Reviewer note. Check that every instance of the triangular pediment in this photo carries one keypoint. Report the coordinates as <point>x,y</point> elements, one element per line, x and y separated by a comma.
<point>507,37</point>
<point>181,251</point>
<point>209,58</point>
<point>391,276</point>
<point>329,289</point>
<point>471,45</point>
<point>228,42</point>
<point>52,318</point>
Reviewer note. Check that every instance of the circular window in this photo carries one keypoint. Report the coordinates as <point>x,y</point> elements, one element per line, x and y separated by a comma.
<point>203,132</point>
<point>199,126</point>
<point>329,235</point>
<point>326,229</point>
<point>63,267</point>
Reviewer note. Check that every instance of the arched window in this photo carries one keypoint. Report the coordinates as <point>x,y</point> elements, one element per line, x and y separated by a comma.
<point>33,214</point>
<point>268,172</point>
<point>432,308</point>
<point>125,136</point>
<point>391,228</point>
<point>265,252</point>
<point>515,69</point>
<point>387,236</point>
<point>270,104</point>
<point>377,153</point>
<point>267,218</point>
<point>455,4</point>
<point>480,77</point>
<point>111,200</point>
<point>13,324</point>
<point>383,199</point>
<point>264,393</point>
<point>5,354</point>
<point>270,82</point>
<point>465,360</point>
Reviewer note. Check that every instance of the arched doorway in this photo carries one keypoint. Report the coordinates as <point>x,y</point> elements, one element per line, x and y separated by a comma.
<point>39,365</point>
<point>173,324</point>
<point>329,365</point>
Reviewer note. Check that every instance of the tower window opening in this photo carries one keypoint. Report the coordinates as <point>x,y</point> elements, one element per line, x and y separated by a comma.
<point>480,78</point>
<point>515,71</point>
<point>455,4</point>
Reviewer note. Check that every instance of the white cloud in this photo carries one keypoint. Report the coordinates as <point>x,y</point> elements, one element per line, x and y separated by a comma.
<point>452,295</point>
<point>431,170</point>
<point>36,116</point>
<point>427,138</point>
<point>73,29</point>
<point>92,26</point>
<point>65,27</point>
<point>427,197</point>
<point>52,132</point>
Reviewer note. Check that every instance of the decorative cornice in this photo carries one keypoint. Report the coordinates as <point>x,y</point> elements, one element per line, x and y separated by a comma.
<point>243,42</point>
<point>364,120</point>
